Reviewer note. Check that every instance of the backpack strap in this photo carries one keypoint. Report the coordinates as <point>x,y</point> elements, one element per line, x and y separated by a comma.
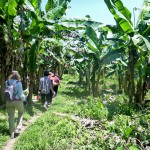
<point>45,83</point>
<point>14,84</point>
<point>8,84</point>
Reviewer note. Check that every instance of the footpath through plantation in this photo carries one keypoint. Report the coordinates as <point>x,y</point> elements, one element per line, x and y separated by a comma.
<point>75,120</point>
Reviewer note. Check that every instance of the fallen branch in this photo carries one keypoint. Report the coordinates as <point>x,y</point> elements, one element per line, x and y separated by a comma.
<point>88,123</point>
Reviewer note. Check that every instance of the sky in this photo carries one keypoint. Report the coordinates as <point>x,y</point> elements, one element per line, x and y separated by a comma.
<point>98,10</point>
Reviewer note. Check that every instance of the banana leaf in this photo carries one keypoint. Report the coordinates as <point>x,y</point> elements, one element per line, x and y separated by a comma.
<point>113,55</point>
<point>122,18</point>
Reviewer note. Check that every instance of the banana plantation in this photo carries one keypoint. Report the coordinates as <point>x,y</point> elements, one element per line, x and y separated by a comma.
<point>96,55</point>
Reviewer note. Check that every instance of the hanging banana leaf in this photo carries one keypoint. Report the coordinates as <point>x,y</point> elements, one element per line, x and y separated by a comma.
<point>55,12</point>
<point>49,5</point>
<point>123,18</point>
<point>12,5</point>
<point>142,42</point>
<point>93,24</point>
<point>28,6</point>
<point>113,55</point>
<point>37,6</point>
<point>91,34</point>
<point>123,10</point>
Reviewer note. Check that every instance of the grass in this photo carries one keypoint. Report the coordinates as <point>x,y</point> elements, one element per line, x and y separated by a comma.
<point>30,111</point>
<point>69,122</point>
<point>3,127</point>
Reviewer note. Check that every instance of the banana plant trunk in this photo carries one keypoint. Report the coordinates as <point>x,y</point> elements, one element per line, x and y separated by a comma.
<point>31,87</point>
<point>97,83</point>
<point>120,79</point>
<point>131,86</point>
<point>61,70</point>
<point>2,83</point>
<point>125,83</point>
<point>88,83</point>
<point>25,71</point>
<point>93,81</point>
<point>3,51</point>
<point>80,76</point>
<point>32,61</point>
<point>139,95</point>
<point>7,60</point>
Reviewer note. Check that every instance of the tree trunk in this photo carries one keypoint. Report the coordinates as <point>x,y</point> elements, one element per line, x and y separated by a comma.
<point>93,82</point>
<point>31,87</point>
<point>80,76</point>
<point>120,79</point>
<point>25,76</point>
<point>2,89</point>
<point>97,83</point>
<point>88,83</point>
<point>139,91</point>
<point>131,86</point>
<point>125,83</point>
<point>5,61</point>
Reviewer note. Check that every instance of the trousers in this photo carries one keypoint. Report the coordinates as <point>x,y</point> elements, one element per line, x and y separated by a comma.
<point>11,107</point>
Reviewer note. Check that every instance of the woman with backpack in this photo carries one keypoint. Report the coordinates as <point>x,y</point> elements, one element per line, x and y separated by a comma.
<point>16,103</point>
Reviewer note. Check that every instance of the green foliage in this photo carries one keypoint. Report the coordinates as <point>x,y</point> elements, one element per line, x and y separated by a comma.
<point>75,99</point>
<point>123,18</point>
<point>92,108</point>
<point>12,8</point>
<point>49,5</point>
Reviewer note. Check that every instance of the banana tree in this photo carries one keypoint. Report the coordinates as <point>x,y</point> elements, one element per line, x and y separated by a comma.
<point>50,23</point>
<point>34,32</point>
<point>9,40</point>
<point>123,19</point>
<point>94,54</point>
<point>94,51</point>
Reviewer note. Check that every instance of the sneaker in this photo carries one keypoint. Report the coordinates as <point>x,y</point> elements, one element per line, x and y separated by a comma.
<point>49,104</point>
<point>17,130</point>
<point>45,106</point>
<point>19,127</point>
<point>12,136</point>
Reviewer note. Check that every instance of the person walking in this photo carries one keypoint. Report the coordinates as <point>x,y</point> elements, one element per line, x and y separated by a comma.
<point>56,83</point>
<point>15,104</point>
<point>46,89</point>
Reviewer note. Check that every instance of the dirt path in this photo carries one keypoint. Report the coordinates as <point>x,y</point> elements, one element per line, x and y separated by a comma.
<point>10,144</point>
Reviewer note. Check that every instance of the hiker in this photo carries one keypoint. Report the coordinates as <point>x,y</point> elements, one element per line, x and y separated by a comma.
<point>51,76</point>
<point>56,83</point>
<point>46,90</point>
<point>16,103</point>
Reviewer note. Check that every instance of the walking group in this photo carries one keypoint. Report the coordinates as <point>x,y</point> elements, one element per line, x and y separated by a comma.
<point>15,97</point>
<point>48,88</point>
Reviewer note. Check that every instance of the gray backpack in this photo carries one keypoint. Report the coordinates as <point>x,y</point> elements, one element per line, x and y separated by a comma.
<point>9,91</point>
<point>45,87</point>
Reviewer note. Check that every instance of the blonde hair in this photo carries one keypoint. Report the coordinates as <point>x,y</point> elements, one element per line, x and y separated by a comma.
<point>15,76</point>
